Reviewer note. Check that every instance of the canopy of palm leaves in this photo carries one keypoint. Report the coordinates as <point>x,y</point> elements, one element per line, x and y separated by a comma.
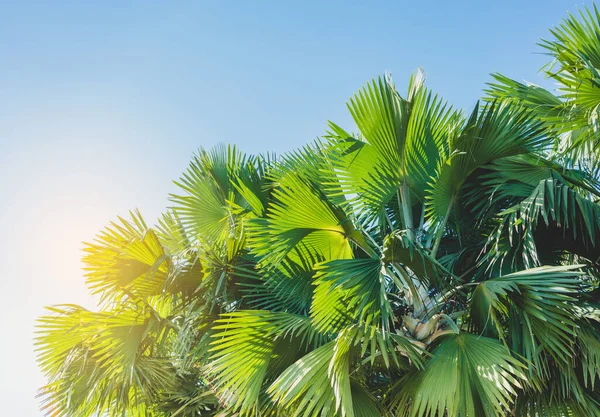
<point>573,114</point>
<point>430,264</point>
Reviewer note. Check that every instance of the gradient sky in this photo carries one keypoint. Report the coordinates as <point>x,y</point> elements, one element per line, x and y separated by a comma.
<point>103,103</point>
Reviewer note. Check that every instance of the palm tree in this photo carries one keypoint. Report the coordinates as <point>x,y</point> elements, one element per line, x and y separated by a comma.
<point>430,264</point>
<point>573,113</point>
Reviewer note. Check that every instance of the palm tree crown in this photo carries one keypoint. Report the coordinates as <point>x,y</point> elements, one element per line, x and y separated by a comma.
<point>430,264</point>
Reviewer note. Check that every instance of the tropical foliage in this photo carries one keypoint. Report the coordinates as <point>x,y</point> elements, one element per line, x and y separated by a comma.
<point>430,264</point>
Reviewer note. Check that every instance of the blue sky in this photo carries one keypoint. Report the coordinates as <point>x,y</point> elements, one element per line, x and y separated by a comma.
<point>103,103</point>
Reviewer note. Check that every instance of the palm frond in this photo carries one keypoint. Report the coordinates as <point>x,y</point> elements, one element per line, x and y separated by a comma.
<point>244,350</point>
<point>552,208</point>
<point>497,131</point>
<point>126,257</point>
<point>102,362</point>
<point>537,303</point>
<point>480,378</point>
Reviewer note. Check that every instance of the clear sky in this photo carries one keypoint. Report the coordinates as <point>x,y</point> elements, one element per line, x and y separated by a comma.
<point>102,103</point>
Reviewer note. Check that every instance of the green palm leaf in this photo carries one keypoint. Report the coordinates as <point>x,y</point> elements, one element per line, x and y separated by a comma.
<point>498,131</point>
<point>480,376</point>
<point>244,351</point>
<point>107,362</point>
<point>537,302</point>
